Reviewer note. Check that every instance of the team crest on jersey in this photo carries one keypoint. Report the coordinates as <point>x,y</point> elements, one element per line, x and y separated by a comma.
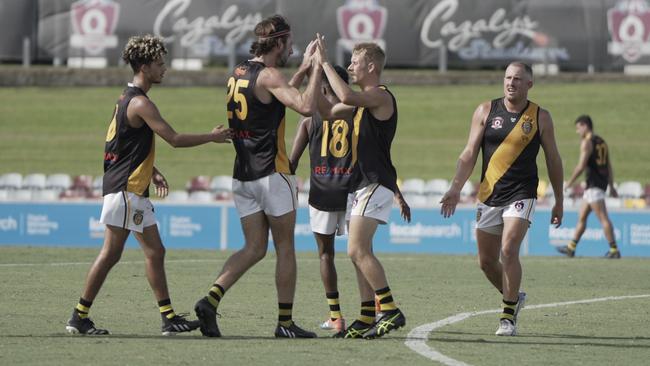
<point>527,125</point>
<point>513,119</point>
<point>497,123</point>
<point>240,71</point>
<point>519,205</point>
<point>138,216</point>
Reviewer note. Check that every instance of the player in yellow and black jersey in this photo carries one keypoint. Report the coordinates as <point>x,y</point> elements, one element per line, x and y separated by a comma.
<point>128,169</point>
<point>265,194</point>
<point>509,131</point>
<point>330,156</point>
<point>374,180</point>
<point>594,159</point>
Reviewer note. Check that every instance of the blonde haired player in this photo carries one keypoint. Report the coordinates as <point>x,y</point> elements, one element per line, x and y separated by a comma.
<point>374,180</point>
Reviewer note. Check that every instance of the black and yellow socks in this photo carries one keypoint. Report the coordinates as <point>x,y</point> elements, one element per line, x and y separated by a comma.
<point>386,302</point>
<point>367,314</point>
<point>166,310</point>
<point>83,307</point>
<point>335,307</point>
<point>509,310</point>
<point>572,245</point>
<point>215,294</point>
<point>284,314</point>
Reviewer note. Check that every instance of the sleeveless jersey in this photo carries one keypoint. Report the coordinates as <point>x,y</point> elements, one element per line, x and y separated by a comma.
<point>258,127</point>
<point>371,142</point>
<point>129,152</point>
<point>510,145</point>
<point>330,151</point>
<point>598,164</point>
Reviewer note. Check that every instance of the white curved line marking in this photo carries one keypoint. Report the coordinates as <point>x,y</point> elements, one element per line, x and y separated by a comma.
<point>418,336</point>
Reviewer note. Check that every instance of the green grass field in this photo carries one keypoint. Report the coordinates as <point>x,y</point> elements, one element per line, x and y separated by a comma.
<point>54,130</point>
<point>40,286</point>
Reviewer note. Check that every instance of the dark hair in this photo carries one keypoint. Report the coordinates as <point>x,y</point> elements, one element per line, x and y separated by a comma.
<point>586,120</point>
<point>269,32</point>
<point>343,74</point>
<point>525,66</point>
<point>143,50</point>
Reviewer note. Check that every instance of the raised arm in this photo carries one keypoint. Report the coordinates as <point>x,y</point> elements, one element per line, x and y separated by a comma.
<point>142,110</point>
<point>466,160</point>
<point>327,110</point>
<point>372,98</point>
<point>303,103</point>
<point>586,147</point>
<point>305,66</point>
<point>299,143</point>
<point>553,165</point>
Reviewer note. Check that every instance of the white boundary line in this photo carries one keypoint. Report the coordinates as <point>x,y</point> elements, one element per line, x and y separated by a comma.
<point>418,336</point>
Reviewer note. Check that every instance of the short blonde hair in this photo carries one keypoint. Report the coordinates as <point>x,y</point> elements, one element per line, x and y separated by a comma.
<point>372,52</point>
<point>143,50</point>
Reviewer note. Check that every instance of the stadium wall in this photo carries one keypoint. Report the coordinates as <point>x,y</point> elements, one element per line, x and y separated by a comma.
<point>216,226</point>
<point>597,35</point>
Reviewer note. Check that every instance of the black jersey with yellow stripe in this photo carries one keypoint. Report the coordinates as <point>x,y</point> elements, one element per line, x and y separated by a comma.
<point>258,127</point>
<point>129,152</point>
<point>330,150</point>
<point>598,164</point>
<point>510,145</point>
<point>371,142</point>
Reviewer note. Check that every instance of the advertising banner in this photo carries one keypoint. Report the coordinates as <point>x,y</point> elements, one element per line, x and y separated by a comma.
<point>217,227</point>
<point>77,224</point>
<point>574,34</point>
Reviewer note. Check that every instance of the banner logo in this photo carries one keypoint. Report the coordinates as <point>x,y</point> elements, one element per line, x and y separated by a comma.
<point>495,36</point>
<point>208,33</point>
<point>629,26</point>
<point>93,24</point>
<point>361,20</point>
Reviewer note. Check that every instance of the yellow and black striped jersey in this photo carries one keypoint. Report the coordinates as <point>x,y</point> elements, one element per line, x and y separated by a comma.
<point>371,142</point>
<point>510,145</point>
<point>258,127</point>
<point>129,152</point>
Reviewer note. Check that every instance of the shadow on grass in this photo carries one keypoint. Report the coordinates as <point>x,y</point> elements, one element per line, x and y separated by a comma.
<point>178,337</point>
<point>541,339</point>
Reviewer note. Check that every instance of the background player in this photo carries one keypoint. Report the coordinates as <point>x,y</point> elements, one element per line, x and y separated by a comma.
<point>594,158</point>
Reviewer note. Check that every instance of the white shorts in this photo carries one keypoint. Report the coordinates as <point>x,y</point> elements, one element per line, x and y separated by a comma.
<point>374,201</point>
<point>275,194</point>
<point>593,194</point>
<point>128,211</point>
<point>490,219</point>
<point>327,222</point>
